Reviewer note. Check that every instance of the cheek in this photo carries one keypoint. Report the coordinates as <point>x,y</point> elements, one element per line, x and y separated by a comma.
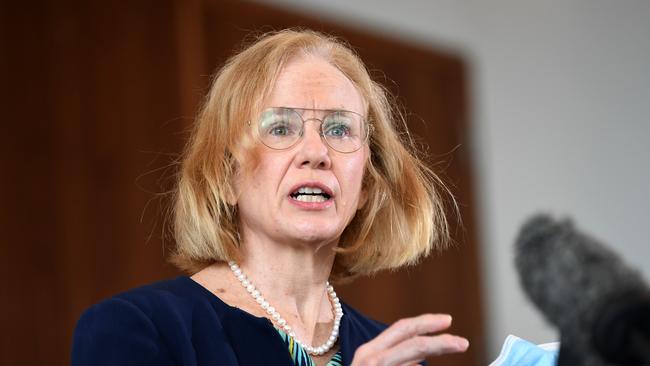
<point>354,170</point>
<point>269,172</point>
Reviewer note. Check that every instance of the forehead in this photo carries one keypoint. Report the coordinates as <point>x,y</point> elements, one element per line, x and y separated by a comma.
<point>312,82</point>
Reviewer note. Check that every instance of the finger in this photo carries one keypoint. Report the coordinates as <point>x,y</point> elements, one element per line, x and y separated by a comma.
<point>416,349</point>
<point>407,328</point>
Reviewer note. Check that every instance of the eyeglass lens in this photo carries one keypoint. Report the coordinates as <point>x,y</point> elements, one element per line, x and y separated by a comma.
<point>281,128</point>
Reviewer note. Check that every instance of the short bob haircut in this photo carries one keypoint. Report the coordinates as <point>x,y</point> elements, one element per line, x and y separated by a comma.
<point>403,217</point>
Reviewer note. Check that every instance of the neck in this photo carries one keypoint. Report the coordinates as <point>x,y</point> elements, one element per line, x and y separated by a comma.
<point>292,277</point>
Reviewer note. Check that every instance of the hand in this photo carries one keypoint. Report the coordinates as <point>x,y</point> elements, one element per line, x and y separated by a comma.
<point>409,341</point>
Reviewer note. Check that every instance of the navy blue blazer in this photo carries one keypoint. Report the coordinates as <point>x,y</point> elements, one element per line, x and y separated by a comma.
<point>179,322</point>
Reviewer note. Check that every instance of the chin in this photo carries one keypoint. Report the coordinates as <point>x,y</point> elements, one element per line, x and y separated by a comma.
<point>313,235</point>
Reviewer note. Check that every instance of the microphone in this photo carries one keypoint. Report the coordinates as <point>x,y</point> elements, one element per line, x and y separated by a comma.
<point>600,305</point>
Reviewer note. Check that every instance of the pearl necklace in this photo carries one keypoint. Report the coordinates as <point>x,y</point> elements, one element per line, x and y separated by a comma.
<point>273,314</point>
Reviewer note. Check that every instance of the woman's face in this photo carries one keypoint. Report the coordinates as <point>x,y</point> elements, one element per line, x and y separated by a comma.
<point>269,201</point>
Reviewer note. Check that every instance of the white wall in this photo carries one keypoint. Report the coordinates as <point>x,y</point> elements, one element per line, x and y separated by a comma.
<point>561,121</point>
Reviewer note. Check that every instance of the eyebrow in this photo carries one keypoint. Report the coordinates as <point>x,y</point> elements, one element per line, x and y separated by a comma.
<point>319,109</point>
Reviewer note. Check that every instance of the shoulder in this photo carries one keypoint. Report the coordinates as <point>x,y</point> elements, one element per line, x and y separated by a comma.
<point>362,324</point>
<point>147,325</point>
<point>155,302</point>
<point>361,329</point>
<point>179,295</point>
<point>121,330</point>
<point>356,329</point>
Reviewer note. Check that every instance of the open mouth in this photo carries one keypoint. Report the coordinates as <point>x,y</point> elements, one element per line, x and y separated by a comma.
<point>310,194</point>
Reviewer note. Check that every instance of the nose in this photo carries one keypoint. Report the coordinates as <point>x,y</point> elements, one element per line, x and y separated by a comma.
<point>313,151</point>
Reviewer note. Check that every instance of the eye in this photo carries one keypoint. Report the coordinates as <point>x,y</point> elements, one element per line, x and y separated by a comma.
<point>336,129</point>
<point>280,129</point>
<point>340,125</point>
<point>278,123</point>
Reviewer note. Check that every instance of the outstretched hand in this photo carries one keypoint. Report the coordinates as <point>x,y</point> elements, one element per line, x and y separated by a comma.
<point>409,341</point>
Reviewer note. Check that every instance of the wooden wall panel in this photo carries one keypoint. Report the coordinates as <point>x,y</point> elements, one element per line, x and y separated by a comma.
<point>92,104</point>
<point>97,100</point>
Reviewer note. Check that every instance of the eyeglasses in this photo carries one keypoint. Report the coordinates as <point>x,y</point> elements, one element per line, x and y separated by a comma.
<point>280,128</point>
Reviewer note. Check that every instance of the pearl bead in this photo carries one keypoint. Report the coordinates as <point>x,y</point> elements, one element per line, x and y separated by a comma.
<point>337,311</point>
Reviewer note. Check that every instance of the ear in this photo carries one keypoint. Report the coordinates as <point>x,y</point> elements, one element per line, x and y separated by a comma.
<point>365,181</point>
<point>231,197</point>
<point>363,198</point>
<point>233,191</point>
<point>234,182</point>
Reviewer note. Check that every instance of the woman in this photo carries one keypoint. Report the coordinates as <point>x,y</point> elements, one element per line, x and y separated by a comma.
<point>294,175</point>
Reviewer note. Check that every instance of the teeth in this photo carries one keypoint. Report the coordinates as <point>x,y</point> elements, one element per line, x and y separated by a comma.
<point>310,190</point>
<point>310,198</point>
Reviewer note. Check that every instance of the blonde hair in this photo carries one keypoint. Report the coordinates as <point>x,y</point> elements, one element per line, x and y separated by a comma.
<point>403,218</point>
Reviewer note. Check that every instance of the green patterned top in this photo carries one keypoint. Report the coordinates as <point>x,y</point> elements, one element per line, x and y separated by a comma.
<point>300,357</point>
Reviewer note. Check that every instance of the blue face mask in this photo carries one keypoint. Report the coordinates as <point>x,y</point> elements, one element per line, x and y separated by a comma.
<point>518,352</point>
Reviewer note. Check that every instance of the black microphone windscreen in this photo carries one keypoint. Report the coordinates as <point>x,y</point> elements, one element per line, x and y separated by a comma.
<point>571,277</point>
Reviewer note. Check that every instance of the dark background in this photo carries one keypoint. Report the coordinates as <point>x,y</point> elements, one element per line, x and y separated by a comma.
<point>97,102</point>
